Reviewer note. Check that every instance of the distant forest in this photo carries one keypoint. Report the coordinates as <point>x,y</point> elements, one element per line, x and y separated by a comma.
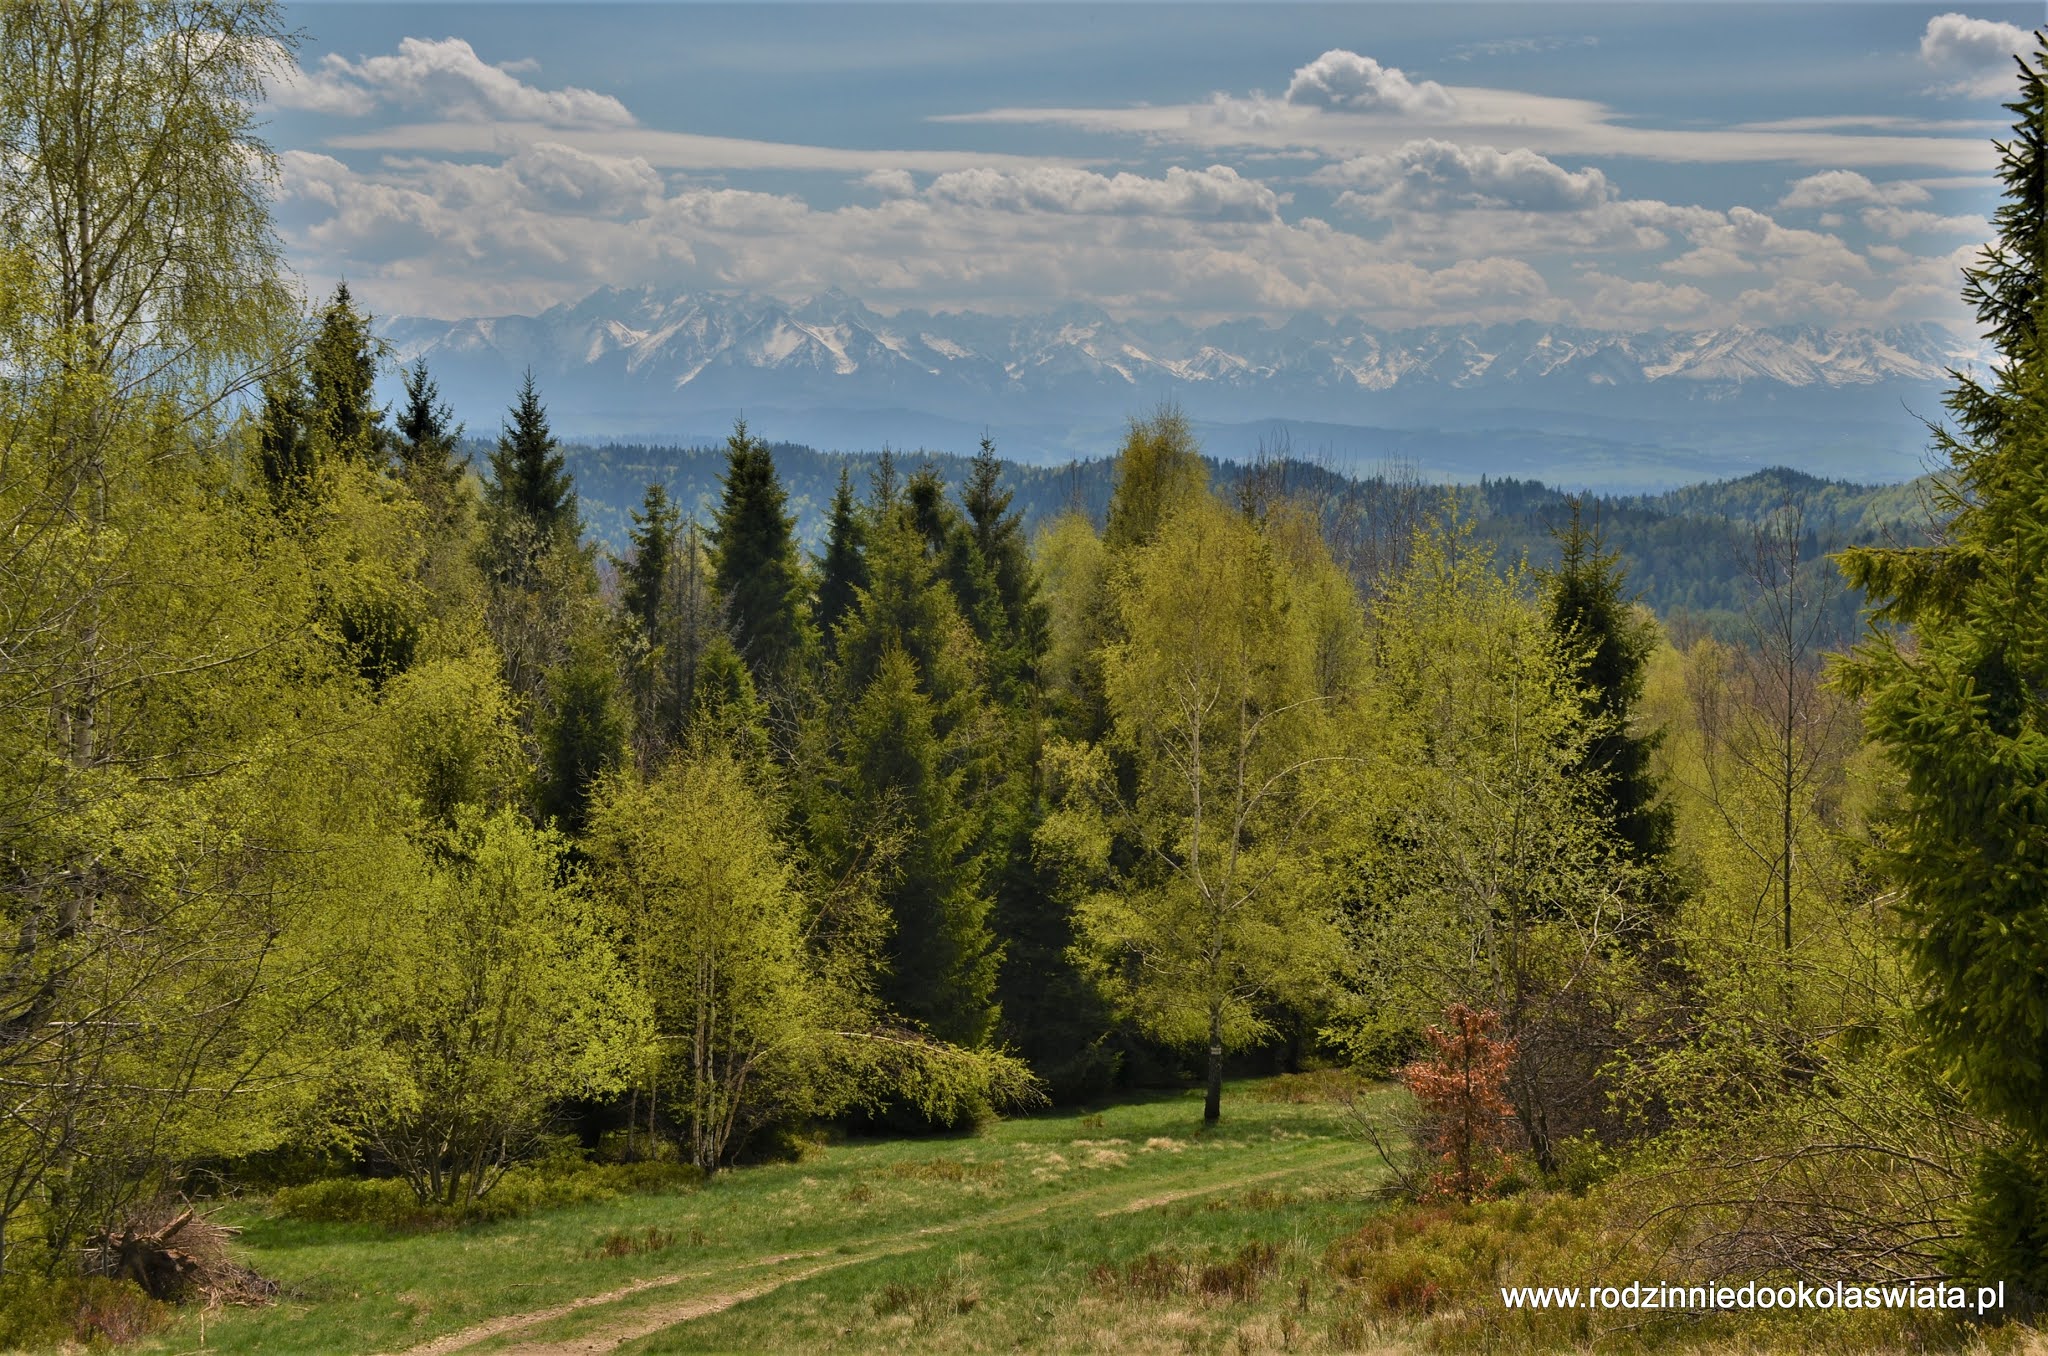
<point>1690,554</point>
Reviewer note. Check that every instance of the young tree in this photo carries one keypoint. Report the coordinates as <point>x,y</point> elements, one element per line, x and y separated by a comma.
<point>1214,702</point>
<point>754,560</point>
<point>427,439</point>
<point>1158,470</point>
<point>842,572</point>
<point>1957,703</point>
<point>998,535</point>
<point>530,486</point>
<point>1772,728</point>
<point>745,1023</point>
<point>489,995</point>
<point>341,370</point>
<point>1592,620</point>
<point>1494,880</point>
<point>643,575</point>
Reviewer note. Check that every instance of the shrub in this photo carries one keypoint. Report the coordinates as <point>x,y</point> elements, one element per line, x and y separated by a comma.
<point>390,1203</point>
<point>1458,1087</point>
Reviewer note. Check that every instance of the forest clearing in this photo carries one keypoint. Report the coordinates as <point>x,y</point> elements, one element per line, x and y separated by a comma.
<point>1262,915</point>
<point>972,1242</point>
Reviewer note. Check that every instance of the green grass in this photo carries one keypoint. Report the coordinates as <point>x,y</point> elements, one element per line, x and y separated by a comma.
<point>1025,1235</point>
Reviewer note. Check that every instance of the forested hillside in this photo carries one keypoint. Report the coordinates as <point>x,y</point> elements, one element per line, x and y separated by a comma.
<point>1689,555</point>
<point>388,841</point>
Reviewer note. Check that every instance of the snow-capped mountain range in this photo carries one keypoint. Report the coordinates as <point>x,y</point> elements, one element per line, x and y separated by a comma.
<point>642,362</point>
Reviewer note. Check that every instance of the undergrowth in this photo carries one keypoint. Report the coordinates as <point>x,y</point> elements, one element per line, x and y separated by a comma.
<point>390,1202</point>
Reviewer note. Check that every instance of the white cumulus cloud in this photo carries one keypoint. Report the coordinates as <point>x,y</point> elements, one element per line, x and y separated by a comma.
<point>444,78</point>
<point>1429,175</point>
<point>1345,81</point>
<point>1834,188</point>
<point>1977,52</point>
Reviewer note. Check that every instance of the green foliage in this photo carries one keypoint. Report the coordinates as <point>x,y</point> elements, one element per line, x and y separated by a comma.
<point>137,184</point>
<point>745,1023</point>
<point>341,368</point>
<point>754,562</point>
<point>1591,618</point>
<point>429,441</point>
<point>1959,711</point>
<point>842,571</point>
<point>1159,468</point>
<point>529,490</point>
<point>1213,699</point>
<point>941,954</point>
<point>549,1184</point>
<point>485,993</point>
<point>582,733</point>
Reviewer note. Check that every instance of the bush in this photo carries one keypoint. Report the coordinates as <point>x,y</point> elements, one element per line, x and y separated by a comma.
<point>40,1315</point>
<point>548,1185</point>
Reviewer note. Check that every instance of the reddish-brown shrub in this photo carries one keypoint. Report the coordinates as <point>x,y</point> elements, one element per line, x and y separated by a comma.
<point>1458,1086</point>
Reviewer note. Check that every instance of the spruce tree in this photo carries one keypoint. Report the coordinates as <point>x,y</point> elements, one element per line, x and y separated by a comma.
<point>643,573</point>
<point>843,571</point>
<point>1610,647</point>
<point>754,560</point>
<point>941,954</point>
<point>583,733</point>
<point>341,370</point>
<point>1962,710</point>
<point>427,438</point>
<point>528,476</point>
<point>283,450</point>
<point>999,538</point>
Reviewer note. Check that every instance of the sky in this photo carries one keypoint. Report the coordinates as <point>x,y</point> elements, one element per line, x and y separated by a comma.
<point>1623,166</point>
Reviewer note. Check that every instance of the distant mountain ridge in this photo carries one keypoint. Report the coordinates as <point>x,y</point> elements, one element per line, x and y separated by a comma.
<point>640,361</point>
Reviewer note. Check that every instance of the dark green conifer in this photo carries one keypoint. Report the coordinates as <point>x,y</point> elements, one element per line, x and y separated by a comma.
<point>843,571</point>
<point>284,451</point>
<point>341,370</point>
<point>529,480</point>
<point>754,560</point>
<point>941,954</point>
<point>1961,709</point>
<point>643,573</point>
<point>1610,648</point>
<point>428,438</point>
<point>583,731</point>
<point>999,539</point>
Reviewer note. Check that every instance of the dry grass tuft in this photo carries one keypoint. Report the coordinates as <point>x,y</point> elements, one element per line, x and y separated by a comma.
<point>945,1170</point>
<point>624,1243</point>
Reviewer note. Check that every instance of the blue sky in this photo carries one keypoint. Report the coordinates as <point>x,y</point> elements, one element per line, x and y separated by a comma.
<point>1613,165</point>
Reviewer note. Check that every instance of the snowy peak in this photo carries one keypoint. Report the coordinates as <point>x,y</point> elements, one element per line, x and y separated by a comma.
<point>639,356</point>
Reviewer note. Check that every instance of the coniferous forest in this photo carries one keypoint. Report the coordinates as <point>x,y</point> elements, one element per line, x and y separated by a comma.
<point>385,855</point>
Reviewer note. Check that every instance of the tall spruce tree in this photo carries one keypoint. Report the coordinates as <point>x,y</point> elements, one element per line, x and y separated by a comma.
<point>1962,709</point>
<point>428,437</point>
<point>529,478</point>
<point>908,727</point>
<point>341,371</point>
<point>998,536</point>
<point>283,451</point>
<point>1594,621</point>
<point>754,560</point>
<point>583,733</point>
<point>843,570</point>
<point>643,574</point>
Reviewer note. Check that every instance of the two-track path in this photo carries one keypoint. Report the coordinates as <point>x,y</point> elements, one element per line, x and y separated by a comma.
<point>604,1322</point>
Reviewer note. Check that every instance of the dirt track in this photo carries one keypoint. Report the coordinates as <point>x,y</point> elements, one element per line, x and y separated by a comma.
<point>714,1290</point>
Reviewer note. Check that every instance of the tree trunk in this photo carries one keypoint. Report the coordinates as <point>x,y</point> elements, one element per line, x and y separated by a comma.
<point>1212,1107</point>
